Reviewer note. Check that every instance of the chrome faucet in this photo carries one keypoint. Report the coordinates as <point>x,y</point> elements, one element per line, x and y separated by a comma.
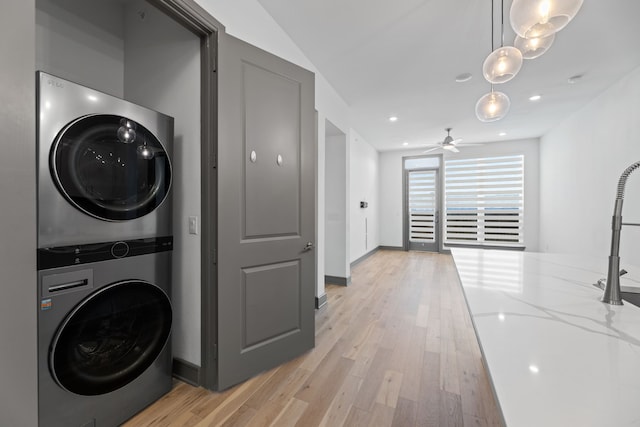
<point>612,283</point>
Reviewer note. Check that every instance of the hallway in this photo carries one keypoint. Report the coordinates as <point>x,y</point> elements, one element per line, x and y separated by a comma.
<point>395,348</point>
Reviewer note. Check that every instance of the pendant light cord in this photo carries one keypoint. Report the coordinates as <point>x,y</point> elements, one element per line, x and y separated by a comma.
<point>492,25</point>
<point>492,33</point>
<point>502,24</point>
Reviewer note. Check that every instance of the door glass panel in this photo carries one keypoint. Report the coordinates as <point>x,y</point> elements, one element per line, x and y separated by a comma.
<point>111,338</point>
<point>422,210</point>
<point>111,167</point>
<point>421,163</point>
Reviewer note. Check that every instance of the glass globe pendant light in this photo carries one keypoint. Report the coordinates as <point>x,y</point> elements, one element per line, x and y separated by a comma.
<point>533,47</point>
<point>492,106</point>
<point>503,63</point>
<point>541,18</point>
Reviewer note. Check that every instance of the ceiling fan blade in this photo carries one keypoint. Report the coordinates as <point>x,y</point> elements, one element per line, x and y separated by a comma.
<point>454,149</point>
<point>456,141</point>
<point>430,150</point>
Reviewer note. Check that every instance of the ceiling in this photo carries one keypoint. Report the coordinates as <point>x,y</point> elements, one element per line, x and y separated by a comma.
<point>400,58</point>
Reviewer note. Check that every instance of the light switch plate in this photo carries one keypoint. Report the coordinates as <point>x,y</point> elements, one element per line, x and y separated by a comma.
<point>193,225</point>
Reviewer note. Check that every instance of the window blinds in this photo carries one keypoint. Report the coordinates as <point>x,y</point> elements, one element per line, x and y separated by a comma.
<point>484,201</point>
<point>422,206</point>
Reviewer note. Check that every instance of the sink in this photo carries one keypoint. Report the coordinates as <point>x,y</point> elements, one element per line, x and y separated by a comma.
<point>631,297</point>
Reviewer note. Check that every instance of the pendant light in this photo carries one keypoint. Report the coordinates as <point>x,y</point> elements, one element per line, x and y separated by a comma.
<point>492,106</point>
<point>541,18</point>
<point>533,47</point>
<point>503,63</point>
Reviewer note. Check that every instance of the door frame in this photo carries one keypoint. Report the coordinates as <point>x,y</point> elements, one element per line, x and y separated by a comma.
<point>439,201</point>
<point>196,19</point>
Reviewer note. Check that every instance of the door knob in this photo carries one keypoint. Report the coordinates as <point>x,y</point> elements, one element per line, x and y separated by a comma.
<point>308,246</point>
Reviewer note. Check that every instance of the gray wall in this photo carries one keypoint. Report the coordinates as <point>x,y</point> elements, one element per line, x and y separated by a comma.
<point>82,41</point>
<point>162,71</point>
<point>18,366</point>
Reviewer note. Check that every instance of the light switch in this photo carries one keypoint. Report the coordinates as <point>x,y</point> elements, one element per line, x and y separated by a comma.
<point>193,225</point>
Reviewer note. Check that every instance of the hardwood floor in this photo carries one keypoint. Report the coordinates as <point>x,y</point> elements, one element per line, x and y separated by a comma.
<point>395,348</point>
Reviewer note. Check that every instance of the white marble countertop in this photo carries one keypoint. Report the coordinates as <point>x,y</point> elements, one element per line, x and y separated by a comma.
<point>556,355</point>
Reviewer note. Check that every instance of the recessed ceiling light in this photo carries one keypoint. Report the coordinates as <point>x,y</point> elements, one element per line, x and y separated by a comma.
<point>502,134</point>
<point>464,77</point>
<point>393,119</point>
<point>405,143</point>
<point>535,98</point>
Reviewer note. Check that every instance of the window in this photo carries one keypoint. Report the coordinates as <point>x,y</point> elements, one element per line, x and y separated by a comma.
<point>422,162</point>
<point>484,201</point>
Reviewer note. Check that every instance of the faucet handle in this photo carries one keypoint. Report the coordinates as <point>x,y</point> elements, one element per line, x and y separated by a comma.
<point>623,272</point>
<point>601,283</point>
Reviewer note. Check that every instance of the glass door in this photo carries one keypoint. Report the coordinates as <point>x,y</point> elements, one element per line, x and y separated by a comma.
<point>110,167</point>
<point>422,210</point>
<point>110,338</point>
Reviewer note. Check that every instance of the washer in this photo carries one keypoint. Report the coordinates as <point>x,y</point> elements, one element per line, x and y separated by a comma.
<point>104,167</point>
<point>103,334</point>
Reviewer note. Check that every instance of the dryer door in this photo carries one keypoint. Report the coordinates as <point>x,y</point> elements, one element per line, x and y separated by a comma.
<point>110,167</point>
<point>110,338</point>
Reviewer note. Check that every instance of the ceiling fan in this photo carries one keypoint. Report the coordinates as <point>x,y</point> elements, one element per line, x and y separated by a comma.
<point>448,143</point>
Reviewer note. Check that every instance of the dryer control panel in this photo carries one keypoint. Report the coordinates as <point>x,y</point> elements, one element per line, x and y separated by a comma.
<point>62,256</point>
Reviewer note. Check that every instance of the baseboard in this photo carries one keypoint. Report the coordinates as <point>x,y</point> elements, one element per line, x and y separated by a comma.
<point>186,371</point>
<point>334,280</point>
<point>391,248</point>
<point>365,256</point>
<point>321,301</point>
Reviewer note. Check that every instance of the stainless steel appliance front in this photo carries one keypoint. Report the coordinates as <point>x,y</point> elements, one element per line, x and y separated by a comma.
<point>104,167</point>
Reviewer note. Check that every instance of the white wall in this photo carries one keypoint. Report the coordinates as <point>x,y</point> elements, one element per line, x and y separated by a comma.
<point>249,21</point>
<point>364,186</point>
<point>336,185</point>
<point>320,204</point>
<point>391,191</point>
<point>581,160</point>
<point>82,42</point>
<point>162,71</point>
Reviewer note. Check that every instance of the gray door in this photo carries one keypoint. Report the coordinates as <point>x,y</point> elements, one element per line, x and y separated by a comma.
<point>266,205</point>
<point>423,210</point>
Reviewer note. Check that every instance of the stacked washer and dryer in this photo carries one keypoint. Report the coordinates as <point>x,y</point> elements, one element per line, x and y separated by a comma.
<point>104,255</point>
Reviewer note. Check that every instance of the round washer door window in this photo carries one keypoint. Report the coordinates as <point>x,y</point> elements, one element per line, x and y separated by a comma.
<point>110,167</point>
<point>110,338</point>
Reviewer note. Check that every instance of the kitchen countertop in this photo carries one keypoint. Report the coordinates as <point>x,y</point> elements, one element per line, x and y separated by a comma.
<point>555,354</point>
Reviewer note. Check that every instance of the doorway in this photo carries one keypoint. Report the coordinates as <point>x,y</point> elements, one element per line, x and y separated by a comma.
<point>337,267</point>
<point>422,202</point>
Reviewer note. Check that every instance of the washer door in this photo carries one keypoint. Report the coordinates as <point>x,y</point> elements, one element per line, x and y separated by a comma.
<point>110,167</point>
<point>110,338</point>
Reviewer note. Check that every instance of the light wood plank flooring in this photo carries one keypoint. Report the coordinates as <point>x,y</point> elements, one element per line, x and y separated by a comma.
<point>395,348</point>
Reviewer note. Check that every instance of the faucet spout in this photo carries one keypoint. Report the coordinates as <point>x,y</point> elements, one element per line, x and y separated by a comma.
<point>612,287</point>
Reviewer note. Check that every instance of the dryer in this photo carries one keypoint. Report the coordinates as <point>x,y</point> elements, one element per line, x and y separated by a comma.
<point>104,166</point>
<point>104,350</point>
